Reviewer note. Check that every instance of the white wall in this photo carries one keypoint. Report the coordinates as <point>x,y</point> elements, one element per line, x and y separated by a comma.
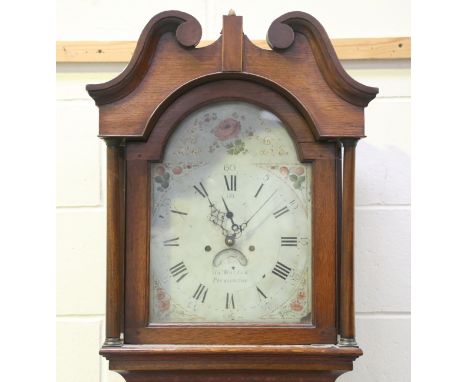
<point>383,176</point>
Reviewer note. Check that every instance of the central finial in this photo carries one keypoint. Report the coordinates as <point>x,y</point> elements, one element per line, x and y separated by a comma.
<point>231,12</point>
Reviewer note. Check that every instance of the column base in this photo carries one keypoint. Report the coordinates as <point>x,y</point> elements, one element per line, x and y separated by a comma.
<point>347,342</point>
<point>111,342</point>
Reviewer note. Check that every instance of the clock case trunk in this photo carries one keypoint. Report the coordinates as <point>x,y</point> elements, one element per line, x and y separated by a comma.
<point>302,82</point>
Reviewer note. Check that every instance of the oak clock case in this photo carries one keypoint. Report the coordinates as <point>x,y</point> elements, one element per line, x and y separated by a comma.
<point>230,194</point>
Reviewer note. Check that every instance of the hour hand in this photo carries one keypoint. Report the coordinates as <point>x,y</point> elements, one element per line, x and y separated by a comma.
<point>216,216</point>
<point>230,216</point>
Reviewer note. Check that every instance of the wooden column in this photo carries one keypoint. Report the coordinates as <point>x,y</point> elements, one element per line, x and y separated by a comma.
<point>347,326</point>
<point>114,282</point>
<point>339,201</point>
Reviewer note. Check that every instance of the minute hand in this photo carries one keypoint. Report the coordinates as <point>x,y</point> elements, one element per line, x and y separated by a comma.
<point>243,225</point>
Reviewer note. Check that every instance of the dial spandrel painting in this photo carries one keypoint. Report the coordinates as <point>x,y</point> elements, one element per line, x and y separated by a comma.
<point>231,222</point>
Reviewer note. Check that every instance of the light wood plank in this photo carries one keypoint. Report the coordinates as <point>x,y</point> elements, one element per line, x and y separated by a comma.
<point>386,48</point>
<point>389,48</point>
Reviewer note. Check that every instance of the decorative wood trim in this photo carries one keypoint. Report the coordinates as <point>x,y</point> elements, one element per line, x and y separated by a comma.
<point>232,43</point>
<point>234,375</point>
<point>327,61</point>
<point>339,222</point>
<point>243,363</point>
<point>383,48</point>
<point>176,108</point>
<point>187,32</point>
<point>159,68</point>
<point>347,325</point>
<point>234,353</point>
<point>115,237</point>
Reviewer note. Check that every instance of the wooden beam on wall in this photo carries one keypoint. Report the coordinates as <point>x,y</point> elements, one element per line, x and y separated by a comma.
<point>385,48</point>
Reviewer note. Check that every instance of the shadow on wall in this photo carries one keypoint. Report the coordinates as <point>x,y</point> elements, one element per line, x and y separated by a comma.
<point>382,175</point>
<point>382,249</point>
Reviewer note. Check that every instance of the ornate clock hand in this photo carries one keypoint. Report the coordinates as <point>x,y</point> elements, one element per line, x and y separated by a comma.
<point>230,215</point>
<point>244,225</point>
<point>217,218</point>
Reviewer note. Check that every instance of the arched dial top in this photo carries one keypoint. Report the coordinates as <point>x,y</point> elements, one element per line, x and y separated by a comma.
<point>231,220</point>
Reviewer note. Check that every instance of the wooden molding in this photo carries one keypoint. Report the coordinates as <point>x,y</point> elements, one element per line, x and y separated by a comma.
<point>291,36</point>
<point>385,48</point>
<point>258,363</point>
<point>301,23</point>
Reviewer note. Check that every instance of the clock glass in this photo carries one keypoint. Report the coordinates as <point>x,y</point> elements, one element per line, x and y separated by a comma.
<point>231,222</point>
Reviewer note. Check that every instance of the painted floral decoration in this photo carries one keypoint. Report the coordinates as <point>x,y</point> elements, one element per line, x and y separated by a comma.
<point>228,128</point>
<point>236,148</point>
<point>177,170</point>
<point>297,180</point>
<point>163,300</point>
<point>295,175</point>
<point>296,306</point>
<point>162,177</point>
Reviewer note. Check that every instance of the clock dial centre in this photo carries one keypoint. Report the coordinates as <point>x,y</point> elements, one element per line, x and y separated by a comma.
<point>230,241</point>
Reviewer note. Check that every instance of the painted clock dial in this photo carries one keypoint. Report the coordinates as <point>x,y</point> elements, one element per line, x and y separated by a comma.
<point>231,221</point>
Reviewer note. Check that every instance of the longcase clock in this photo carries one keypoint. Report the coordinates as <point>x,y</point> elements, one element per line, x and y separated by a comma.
<point>230,198</point>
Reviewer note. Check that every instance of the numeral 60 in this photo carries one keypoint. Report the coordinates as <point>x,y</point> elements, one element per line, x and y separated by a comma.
<point>229,167</point>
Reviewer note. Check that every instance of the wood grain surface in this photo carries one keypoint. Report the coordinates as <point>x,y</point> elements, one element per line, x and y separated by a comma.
<point>115,254</point>
<point>347,313</point>
<point>181,363</point>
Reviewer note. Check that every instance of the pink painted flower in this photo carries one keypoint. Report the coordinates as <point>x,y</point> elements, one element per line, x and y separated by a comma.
<point>284,171</point>
<point>301,295</point>
<point>298,170</point>
<point>296,306</point>
<point>177,170</point>
<point>227,128</point>
<point>164,305</point>
<point>160,294</point>
<point>160,170</point>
